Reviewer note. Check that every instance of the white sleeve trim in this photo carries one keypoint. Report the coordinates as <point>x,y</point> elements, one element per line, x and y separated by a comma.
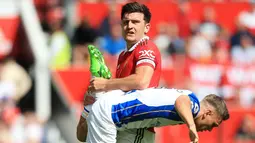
<point>146,61</point>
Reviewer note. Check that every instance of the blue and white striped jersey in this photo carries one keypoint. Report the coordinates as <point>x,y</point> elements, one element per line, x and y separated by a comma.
<point>150,108</point>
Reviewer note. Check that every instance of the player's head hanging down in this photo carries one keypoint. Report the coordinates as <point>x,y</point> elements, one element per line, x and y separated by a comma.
<point>212,112</point>
<point>135,23</point>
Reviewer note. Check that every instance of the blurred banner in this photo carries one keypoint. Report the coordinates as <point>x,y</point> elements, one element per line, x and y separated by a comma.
<point>9,22</point>
<point>169,12</point>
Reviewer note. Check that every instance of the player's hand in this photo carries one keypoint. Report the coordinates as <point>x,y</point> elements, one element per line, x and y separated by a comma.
<point>193,134</point>
<point>88,100</point>
<point>97,84</point>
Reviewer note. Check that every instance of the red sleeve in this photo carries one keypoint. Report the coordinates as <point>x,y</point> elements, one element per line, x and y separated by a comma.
<point>147,55</point>
<point>120,55</point>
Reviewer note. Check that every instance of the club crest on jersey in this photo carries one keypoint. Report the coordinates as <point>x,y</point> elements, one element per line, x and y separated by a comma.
<point>194,107</point>
<point>146,54</point>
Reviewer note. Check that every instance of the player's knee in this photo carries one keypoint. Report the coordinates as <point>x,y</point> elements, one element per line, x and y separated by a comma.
<point>81,130</point>
<point>80,135</point>
<point>81,139</point>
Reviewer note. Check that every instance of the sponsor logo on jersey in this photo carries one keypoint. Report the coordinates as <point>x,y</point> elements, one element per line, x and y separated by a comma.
<point>148,54</point>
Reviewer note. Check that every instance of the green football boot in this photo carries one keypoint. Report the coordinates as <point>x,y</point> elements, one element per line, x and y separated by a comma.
<point>97,64</point>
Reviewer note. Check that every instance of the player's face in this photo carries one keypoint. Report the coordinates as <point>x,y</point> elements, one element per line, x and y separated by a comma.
<point>134,27</point>
<point>207,121</point>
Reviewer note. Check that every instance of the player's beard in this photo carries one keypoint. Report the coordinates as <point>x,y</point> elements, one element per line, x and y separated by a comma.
<point>130,37</point>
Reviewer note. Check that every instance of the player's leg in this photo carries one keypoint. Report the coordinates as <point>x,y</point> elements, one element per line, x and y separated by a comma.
<point>97,69</point>
<point>82,129</point>
<point>112,98</point>
<point>135,136</point>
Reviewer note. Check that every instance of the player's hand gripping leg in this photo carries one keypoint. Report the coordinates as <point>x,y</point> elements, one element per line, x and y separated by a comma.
<point>98,68</point>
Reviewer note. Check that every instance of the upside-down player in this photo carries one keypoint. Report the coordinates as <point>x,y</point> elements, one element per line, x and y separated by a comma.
<point>118,111</point>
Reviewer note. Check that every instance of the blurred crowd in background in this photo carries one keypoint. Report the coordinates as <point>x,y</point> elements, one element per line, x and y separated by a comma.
<point>204,56</point>
<point>209,57</point>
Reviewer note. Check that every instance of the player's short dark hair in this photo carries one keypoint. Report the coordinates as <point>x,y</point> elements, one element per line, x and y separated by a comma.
<point>136,7</point>
<point>219,104</point>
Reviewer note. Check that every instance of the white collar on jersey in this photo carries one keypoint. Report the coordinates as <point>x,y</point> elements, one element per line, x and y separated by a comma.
<point>141,40</point>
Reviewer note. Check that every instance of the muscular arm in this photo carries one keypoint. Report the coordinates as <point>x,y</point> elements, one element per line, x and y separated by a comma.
<point>183,107</point>
<point>140,80</point>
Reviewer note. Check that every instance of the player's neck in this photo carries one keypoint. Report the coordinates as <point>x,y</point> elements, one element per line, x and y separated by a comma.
<point>202,110</point>
<point>199,114</point>
<point>134,44</point>
<point>129,46</point>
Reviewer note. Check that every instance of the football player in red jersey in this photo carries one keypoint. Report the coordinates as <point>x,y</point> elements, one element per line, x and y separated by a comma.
<point>139,66</point>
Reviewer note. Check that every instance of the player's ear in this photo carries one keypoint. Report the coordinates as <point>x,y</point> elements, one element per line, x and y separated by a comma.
<point>147,28</point>
<point>203,116</point>
<point>209,112</point>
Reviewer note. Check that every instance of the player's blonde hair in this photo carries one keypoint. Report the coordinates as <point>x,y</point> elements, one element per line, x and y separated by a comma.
<point>218,104</point>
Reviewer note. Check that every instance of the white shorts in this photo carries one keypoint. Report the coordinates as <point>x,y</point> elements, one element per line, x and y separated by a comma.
<point>101,128</point>
<point>97,96</point>
<point>135,136</point>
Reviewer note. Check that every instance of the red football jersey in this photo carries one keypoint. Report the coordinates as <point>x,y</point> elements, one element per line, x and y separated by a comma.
<point>140,55</point>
